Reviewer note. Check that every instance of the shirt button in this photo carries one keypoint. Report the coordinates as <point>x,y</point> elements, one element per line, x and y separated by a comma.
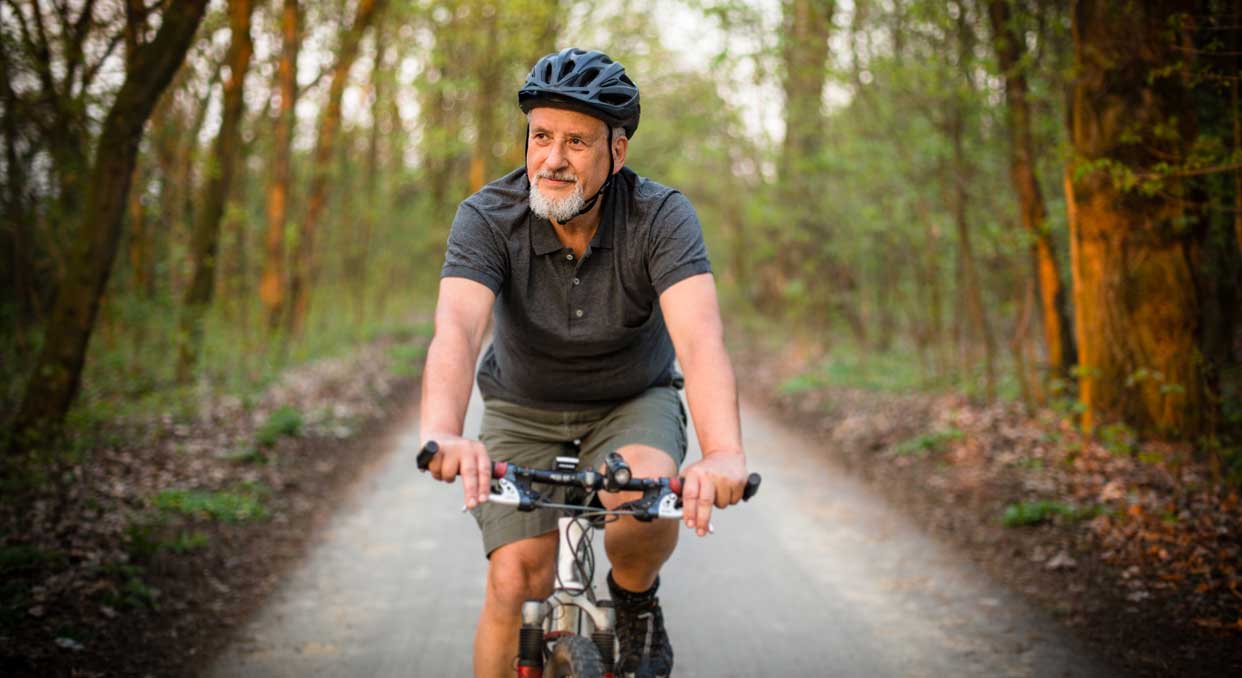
<point>578,313</point>
<point>569,257</point>
<point>577,281</point>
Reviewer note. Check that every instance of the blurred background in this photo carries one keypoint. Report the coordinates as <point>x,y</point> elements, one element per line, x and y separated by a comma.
<point>884,183</point>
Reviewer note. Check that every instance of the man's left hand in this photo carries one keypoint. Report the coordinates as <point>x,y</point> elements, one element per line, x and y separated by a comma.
<point>715,480</point>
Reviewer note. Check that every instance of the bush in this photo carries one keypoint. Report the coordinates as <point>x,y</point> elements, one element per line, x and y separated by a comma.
<point>285,421</point>
<point>928,443</point>
<point>229,507</point>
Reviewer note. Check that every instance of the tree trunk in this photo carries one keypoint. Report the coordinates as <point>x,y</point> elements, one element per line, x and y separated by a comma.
<point>205,241</point>
<point>362,251</point>
<point>971,291</point>
<point>1135,302</point>
<point>58,369</point>
<point>1057,330</point>
<point>272,285</point>
<point>317,195</point>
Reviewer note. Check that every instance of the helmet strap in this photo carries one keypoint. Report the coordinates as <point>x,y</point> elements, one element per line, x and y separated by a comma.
<point>586,207</point>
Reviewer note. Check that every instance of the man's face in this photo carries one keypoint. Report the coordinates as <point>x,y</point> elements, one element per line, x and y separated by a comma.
<point>566,160</point>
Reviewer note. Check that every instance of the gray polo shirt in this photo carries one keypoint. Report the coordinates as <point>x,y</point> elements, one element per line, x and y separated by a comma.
<point>574,333</point>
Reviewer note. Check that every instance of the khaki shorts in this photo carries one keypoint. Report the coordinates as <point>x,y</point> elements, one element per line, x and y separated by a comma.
<point>533,437</point>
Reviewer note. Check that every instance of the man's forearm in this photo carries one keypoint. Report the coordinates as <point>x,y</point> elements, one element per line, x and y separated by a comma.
<point>712,393</point>
<point>447,380</point>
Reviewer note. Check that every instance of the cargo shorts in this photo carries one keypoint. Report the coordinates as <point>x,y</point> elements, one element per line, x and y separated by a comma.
<point>533,437</point>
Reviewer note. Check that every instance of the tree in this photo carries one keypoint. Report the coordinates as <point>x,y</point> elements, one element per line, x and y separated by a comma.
<point>57,373</point>
<point>1034,214</point>
<point>205,240</point>
<point>321,167</point>
<point>272,285</point>
<point>1133,222</point>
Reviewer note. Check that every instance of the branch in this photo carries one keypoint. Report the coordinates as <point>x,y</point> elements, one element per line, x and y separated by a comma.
<point>77,36</point>
<point>88,76</point>
<point>39,53</point>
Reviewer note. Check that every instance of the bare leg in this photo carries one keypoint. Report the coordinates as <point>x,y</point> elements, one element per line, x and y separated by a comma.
<point>637,550</point>
<point>516,573</point>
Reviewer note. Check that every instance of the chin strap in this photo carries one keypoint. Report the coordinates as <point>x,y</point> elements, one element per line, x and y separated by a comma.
<point>586,207</point>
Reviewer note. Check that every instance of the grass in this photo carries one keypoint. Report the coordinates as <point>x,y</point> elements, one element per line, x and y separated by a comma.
<point>407,359</point>
<point>284,421</point>
<point>1029,513</point>
<point>229,507</point>
<point>894,372</point>
<point>929,443</point>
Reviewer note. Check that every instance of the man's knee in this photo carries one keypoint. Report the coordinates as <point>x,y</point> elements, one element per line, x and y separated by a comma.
<point>521,571</point>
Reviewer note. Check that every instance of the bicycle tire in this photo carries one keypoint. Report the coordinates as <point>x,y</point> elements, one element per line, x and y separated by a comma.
<point>574,657</point>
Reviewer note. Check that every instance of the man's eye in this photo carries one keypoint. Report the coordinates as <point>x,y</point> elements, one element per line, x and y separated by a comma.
<point>575,141</point>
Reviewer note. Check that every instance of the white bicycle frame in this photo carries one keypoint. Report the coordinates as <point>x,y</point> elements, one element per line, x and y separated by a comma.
<point>569,604</point>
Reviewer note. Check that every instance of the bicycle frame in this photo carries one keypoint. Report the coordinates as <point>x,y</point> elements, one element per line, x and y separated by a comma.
<point>569,605</point>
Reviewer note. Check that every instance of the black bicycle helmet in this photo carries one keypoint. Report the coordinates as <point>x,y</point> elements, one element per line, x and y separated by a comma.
<point>587,82</point>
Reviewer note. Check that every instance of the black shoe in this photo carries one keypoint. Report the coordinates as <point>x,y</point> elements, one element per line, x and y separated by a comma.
<point>645,652</point>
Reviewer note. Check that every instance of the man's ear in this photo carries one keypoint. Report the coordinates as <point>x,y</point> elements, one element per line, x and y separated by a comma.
<point>620,146</point>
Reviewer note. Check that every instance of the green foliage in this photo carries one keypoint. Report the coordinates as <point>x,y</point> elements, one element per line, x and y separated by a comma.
<point>1036,512</point>
<point>407,359</point>
<point>19,563</point>
<point>245,504</point>
<point>284,421</point>
<point>929,443</point>
<point>131,590</point>
<point>187,541</point>
<point>894,371</point>
<point>1118,438</point>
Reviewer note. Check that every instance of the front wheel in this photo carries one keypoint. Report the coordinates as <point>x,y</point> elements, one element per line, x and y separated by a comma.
<point>574,657</point>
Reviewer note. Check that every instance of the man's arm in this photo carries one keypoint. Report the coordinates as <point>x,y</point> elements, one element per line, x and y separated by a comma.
<point>462,312</point>
<point>692,314</point>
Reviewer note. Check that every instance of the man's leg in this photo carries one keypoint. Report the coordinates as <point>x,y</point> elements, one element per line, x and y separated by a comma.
<point>637,550</point>
<point>516,572</point>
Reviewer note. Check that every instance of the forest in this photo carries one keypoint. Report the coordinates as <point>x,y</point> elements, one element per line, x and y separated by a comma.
<point>1035,202</point>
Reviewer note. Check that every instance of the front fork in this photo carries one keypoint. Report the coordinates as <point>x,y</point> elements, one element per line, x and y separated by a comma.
<point>532,638</point>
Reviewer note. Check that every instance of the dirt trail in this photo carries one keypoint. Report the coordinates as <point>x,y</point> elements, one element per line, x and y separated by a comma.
<point>817,576</point>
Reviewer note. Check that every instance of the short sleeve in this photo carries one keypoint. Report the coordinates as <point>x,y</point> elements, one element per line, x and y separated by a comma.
<point>475,251</point>
<point>676,250</point>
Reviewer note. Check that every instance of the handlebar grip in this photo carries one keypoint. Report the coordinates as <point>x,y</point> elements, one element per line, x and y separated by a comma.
<point>424,455</point>
<point>752,486</point>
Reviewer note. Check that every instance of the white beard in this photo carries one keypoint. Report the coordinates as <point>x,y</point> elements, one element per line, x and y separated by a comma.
<point>551,209</point>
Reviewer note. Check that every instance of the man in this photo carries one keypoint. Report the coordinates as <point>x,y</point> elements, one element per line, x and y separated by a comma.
<point>591,298</point>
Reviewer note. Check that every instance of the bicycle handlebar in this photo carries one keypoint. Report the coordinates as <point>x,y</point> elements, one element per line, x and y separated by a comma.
<point>511,476</point>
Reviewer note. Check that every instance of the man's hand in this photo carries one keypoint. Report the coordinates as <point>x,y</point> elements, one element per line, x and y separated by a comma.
<point>467,458</point>
<point>715,480</point>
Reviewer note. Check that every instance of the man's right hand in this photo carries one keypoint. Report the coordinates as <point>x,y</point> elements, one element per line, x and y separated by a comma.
<point>467,458</point>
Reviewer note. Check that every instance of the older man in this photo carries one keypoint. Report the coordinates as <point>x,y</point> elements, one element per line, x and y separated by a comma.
<point>597,279</point>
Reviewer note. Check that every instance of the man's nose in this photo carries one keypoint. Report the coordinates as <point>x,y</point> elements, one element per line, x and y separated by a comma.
<point>556,157</point>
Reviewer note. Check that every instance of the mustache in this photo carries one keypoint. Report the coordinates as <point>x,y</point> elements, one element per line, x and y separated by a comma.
<point>559,176</point>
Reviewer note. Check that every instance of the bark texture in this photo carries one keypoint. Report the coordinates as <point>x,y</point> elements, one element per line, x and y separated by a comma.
<point>1136,306</point>
<point>1058,337</point>
<point>57,373</point>
<point>272,284</point>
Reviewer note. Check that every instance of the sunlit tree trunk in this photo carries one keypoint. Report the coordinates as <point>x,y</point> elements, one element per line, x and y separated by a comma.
<point>317,194</point>
<point>272,283</point>
<point>205,241</point>
<point>1057,330</point>
<point>1136,306</point>
<point>59,365</point>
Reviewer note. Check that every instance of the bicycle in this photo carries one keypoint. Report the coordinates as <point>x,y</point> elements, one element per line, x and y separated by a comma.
<point>570,633</point>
